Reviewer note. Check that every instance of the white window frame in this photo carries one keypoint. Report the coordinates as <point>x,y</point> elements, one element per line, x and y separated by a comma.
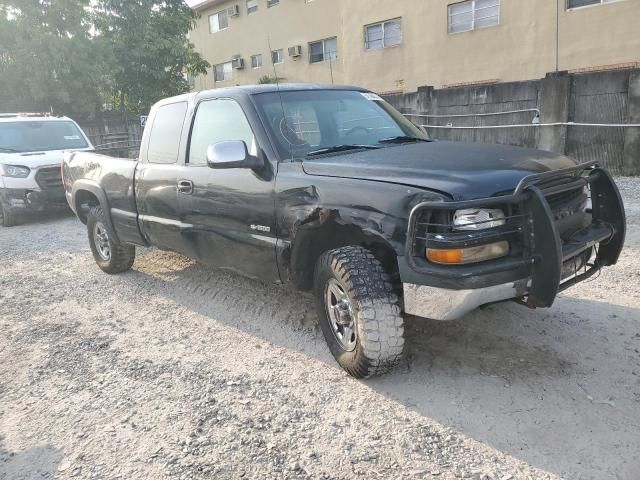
<point>255,6</point>
<point>225,71</point>
<point>280,53</point>
<point>325,56</point>
<point>217,14</point>
<point>384,45</point>
<point>256,56</point>
<point>473,16</point>
<point>597,3</point>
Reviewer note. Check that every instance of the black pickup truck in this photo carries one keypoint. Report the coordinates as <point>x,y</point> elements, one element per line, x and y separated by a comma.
<point>331,189</point>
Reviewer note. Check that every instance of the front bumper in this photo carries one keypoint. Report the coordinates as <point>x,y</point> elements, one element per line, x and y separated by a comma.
<point>22,199</point>
<point>547,261</point>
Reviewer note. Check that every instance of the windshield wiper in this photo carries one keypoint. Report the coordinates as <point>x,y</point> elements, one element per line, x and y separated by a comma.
<point>9,150</point>
<point>403,139</point>
<point>341,148</point>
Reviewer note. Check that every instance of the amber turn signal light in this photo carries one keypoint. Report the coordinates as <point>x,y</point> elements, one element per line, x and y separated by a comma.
<point>461,256</point>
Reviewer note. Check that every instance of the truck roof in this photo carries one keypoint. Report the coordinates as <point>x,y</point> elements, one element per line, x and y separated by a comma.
<point>257,89</point>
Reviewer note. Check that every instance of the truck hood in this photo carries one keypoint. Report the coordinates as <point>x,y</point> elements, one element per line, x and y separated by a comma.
<point>33,160</point>
<point>463,170</point>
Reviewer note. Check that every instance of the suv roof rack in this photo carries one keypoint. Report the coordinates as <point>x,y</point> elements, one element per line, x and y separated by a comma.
<point>26,114</point>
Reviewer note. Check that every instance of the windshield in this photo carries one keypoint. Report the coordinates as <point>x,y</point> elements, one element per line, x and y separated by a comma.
<point>315,120</point>
<point>38,136</point>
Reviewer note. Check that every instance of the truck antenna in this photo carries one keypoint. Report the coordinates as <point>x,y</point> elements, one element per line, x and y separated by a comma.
<point>277,80</point>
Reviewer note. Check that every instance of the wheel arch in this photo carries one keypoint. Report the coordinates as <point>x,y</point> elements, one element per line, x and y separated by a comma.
<point>310,243</point>
<point>89,193</point>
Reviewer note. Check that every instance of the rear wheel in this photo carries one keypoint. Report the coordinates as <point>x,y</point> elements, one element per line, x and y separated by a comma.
<point>359,312</point>
<point>110,256</point>
<point>7,218</point>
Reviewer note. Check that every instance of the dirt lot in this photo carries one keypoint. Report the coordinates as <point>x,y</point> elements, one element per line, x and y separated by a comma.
<point>176,371</point>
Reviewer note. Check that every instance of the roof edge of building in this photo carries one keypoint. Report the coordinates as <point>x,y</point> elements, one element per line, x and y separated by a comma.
<point>203,5</point>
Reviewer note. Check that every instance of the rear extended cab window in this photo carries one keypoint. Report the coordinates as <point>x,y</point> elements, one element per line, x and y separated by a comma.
<point>166,131</point>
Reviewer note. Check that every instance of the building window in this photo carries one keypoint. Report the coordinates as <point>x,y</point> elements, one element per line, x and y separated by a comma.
<point>223,71</point>
<point>472,14</point>
<point>256,61</point>
<point>584,3</point>
<point>384,34</point>
<point>252,6</point>
<point>277,56</point>
<point>218,21</point>
<point>272,3</point>
<point>323,50</point>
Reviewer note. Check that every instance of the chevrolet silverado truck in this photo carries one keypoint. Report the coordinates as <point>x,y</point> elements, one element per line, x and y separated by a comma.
<point>31,149</point>
<point>331,189</point>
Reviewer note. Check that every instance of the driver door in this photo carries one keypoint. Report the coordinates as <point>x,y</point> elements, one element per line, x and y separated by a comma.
<point>230,212</point>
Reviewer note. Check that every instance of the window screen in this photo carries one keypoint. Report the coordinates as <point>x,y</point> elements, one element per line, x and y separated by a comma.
<point>584,3</point>
<point>218,121</point>
<point>472,14</point>
<point>385,34</point>
<point>164,141</point>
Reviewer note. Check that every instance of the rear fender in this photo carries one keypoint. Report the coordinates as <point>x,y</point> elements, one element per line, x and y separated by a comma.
<point>80,186</point>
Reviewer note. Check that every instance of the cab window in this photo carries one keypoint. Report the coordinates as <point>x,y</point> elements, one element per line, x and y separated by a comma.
<point>164,141</point>
<point>218,121</point>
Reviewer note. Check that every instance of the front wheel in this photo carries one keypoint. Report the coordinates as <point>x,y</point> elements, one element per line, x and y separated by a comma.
<point>110,256</point>
<point>359,313</point>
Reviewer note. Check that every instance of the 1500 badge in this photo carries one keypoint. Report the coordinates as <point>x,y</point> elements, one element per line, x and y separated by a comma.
<point>260,228</point>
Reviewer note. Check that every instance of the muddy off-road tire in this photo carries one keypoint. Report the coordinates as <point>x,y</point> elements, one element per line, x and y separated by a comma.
<point>359,312</point>
<point>111,257</point>
<point>7,219</point>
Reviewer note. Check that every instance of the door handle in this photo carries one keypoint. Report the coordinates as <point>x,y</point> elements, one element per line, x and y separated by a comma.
<point>185,186</point>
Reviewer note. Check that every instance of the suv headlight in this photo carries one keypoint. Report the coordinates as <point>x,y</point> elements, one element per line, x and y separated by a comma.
<point>478,218</point>
<point>14,171</point>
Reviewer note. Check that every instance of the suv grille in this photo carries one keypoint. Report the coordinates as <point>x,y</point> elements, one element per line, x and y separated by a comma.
<point>48,178</point>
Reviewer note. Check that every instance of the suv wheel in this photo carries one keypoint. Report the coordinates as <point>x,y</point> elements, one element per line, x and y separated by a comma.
<point>359,312</point>
<point>7,219</point>
<point>111,257</point>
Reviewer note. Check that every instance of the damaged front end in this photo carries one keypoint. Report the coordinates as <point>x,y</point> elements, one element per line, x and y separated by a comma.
<point>553,231</point>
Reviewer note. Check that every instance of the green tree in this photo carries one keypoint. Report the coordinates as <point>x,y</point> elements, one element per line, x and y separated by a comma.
<point>47,57</point>
<point>149,53</point>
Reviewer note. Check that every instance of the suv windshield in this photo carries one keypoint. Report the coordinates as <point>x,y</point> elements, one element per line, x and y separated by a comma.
<point>38,136</point>
<point>316,121</point>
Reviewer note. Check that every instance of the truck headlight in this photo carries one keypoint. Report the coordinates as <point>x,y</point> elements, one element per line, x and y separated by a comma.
<point>478,218</point>
<point>14,171</point>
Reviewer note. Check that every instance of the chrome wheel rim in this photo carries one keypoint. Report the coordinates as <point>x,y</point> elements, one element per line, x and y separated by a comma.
<point>341,315</point>
<point>101,240</point>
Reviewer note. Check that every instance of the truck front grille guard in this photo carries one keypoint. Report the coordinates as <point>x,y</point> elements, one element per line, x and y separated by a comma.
<point>530,226</point>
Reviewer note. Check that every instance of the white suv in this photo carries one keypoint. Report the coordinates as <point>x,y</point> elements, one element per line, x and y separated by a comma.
<point>31,150</point>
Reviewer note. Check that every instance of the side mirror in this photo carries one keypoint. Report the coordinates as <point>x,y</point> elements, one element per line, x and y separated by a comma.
<point>231,154</point>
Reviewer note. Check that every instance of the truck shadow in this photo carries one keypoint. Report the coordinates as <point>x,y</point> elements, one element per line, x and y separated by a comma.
<point>37,462</point>
<point>558,388</point>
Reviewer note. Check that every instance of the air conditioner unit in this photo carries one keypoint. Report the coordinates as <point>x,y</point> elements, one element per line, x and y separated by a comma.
<point>237,63</point>
<point>295,51</point>
<point>234,11</point>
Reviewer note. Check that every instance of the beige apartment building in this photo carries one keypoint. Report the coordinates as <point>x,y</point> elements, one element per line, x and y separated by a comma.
<point>399,45</point>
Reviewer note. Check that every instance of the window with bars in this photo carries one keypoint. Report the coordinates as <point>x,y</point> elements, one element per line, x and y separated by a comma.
<point>585,3</point>
<point>252,6</point>
<point>218,21</point>
<point>277,56</point>
<point>383,34</point>
<point>473,14</point>
<point>223,71</point>
<point>256,61</point>
<point>323,50</point>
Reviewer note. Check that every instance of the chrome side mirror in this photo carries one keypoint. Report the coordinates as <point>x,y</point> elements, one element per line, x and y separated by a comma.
<point>231,154</point>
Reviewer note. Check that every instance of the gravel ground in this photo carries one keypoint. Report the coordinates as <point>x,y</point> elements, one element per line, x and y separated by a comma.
<point>175,371</point>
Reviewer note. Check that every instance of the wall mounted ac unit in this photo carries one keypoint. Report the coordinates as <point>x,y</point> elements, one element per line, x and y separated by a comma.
<point>295,51</point>
<point>237,63</point>
<point>234,11</point>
